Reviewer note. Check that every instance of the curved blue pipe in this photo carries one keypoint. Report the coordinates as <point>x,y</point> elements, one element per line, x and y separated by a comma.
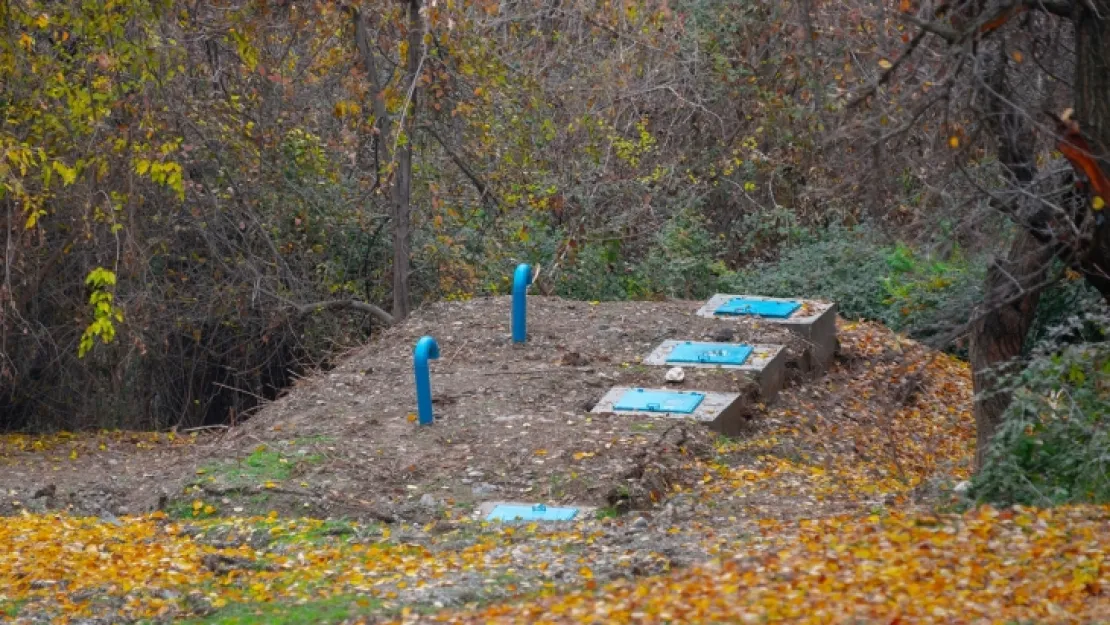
<point>426,349</point>
<point>521,279</point>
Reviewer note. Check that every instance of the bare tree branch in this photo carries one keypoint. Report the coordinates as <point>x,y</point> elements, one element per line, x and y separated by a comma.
<point>353,304</point>
<point>483,188</point>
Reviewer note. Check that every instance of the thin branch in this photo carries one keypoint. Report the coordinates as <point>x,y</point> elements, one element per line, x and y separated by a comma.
<point>889,72</point>
<point>381,113</point>
<point>1059,8</point>
<point>354,304</point>
<point>483,188</point>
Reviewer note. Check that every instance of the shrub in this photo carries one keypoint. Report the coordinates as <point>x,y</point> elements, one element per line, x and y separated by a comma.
<point>1070,307</point>
<point>682,262</point>
<point>903,288</point>
<point>841,265</point>
<point>598,272</point>
<point>927,296</point>
<point>1054,444</point>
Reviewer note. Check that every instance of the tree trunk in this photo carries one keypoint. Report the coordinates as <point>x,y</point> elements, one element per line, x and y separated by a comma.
<point>998,332</point>
<point>1013,286</point>
<point>402,183</point>
<point>1092,111</point>
<point>1012,290</point>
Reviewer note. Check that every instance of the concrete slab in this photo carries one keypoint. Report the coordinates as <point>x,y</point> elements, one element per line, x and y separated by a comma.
<point>584,512</point>
<point>815,322</point>
<point>725,413</point>
<point>767,364</point>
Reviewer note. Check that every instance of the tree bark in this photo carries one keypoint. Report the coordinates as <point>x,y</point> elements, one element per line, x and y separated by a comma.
<point>402,184</point>
<point>1013,285</point>
<point>1092,111</point>
<point>999,330</point>
<point>394,149</point>
<point>1012,290</point>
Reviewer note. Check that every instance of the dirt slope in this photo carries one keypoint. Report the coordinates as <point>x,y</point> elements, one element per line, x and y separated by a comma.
<point>887,429</point>
<point>512,422</point>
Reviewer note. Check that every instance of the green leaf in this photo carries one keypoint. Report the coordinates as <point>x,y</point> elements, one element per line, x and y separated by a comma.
<point>68,174</point>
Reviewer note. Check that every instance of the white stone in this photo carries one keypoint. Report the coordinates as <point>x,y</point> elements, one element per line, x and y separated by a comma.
<point>675,375</point>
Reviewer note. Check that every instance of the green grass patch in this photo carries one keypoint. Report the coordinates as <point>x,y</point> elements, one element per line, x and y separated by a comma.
<point>261,466</point>
<point>11,608</point>
<point>334,610</point>
<point>608,512</point>
<point>183,509</point>
<point>331,530</point>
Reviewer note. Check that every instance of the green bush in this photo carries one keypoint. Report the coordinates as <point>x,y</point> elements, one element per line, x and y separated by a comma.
<point>1062,305</point>
<point>683,261</point>
<point>844,266</point>
<point>680,262</point>
<point>927,296</point>
<point>896,285</point>
<point>599,272</point>
<point>1054,444</point>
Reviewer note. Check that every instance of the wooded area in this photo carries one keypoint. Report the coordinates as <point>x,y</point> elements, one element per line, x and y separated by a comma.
<point>829,341</point>
<point>205,200</point>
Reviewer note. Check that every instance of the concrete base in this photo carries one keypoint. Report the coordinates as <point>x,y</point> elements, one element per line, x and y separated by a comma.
<point>584,512</point>
<point>725,413</point>
<point>814,321</point>
<point>767,364</point>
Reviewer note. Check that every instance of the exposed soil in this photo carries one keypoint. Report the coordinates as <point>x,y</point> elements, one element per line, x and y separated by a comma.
<point>888,426</point>
<point>512,423</point>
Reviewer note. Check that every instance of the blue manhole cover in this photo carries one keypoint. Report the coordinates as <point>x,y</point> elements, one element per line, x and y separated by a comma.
<point>710,353</point>
<point>659,401</point>
<point>510,512</point>
<point>758,308</point>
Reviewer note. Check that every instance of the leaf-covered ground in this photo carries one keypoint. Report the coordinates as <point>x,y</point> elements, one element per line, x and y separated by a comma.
<point>838,508</point>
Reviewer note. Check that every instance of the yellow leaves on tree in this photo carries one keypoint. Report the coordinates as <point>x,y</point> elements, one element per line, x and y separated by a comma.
<point>100,281</point>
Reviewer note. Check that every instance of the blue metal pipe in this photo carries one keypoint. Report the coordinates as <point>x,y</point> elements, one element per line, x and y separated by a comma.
<point>426,349</point>
<point>521,279</point>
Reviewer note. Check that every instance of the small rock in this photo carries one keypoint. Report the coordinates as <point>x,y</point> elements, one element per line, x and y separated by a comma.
<point>675,375</point>
<point>962,487</point>
<point>723,335</point>
<point>483,488</point>
<point>639,524</point>
<point>573,359</point>
<point>428,501</point>
<point>49,490</point>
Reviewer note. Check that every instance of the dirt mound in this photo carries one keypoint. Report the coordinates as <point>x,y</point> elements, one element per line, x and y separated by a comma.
<point>513,423</point>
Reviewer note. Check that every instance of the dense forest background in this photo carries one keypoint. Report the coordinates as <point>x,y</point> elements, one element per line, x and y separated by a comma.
<point>203,201</point>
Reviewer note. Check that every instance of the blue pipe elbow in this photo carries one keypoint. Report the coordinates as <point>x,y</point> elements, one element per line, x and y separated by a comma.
<point>521,280</point>
<point>426,349</point>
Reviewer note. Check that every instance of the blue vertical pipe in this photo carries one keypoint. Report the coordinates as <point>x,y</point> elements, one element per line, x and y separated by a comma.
<point>521,279</point>
<point>426,349</point>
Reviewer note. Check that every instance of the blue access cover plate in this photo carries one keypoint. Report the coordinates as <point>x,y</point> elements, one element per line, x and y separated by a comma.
<point>510,512</point>
<point>659,401</point>
<point>710,353</point>
<point>758,307</point>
